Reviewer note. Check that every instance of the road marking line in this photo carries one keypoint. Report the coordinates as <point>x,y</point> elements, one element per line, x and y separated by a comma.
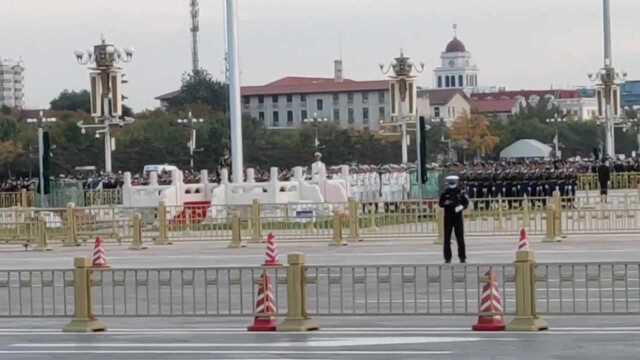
<point>211,352</point>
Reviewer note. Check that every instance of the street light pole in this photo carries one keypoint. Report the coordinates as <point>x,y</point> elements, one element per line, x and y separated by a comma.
<point>106,96</point>
<point>235,111</point>
<point>41,121</point>
<point>315,121</point>
<point>556,120</point>
<point>190,123</point>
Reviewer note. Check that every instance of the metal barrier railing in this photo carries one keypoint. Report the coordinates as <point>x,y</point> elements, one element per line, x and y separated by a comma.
<point>17,199</point>
<point>36,293</point>
<point>588,288</point>
<point>183,292</point>
<point>403,289</point>
<point>628,180</point>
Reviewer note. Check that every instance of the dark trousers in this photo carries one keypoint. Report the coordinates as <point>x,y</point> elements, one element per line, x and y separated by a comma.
<point>456,225</point>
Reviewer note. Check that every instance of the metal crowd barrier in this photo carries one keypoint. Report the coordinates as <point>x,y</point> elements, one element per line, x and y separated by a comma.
<point>627,180</point>
<point>17,199</point>
<point>377,290</point>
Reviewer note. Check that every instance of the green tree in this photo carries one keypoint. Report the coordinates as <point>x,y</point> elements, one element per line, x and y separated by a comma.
<point>200,87</point>
<point>79,101</point>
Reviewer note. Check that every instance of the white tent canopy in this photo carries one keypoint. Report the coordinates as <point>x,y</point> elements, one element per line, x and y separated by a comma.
<point>526,148</point>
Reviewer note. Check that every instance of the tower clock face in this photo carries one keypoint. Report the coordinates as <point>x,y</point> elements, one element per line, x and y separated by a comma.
<point>452,63</point>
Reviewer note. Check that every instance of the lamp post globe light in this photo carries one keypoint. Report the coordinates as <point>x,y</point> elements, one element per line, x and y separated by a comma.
<point>190,123</point>
<point>556,121</point>
<point>106,79</point>
<point>403,95</point>
<point>608,84</point>
<point>316,121</point>
<point>42,123</point>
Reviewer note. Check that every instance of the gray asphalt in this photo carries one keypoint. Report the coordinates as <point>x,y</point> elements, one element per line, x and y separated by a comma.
<point>388,338</point>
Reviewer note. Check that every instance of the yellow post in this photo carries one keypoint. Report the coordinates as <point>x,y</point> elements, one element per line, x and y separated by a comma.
<point>354,225</point>
<point>500,224</point>
<point>136,236</point>
<point>236,232</point>
<point>526,315</point>
<point>550,235</point>
<point>24,200</point>
<point>440,226</point>
<point>256,221</point>
<point>297,317</point>
<point>337,240</point>
<point>41,231</point>
<point>163,236</point>
<point>83,319</point>
<point>71,238</point>
<point>526,218</point>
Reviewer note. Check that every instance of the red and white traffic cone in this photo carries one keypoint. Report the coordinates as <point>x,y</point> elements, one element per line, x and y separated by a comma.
<point>272,251</point>
<point>491,311</point>
<point>265,319</point>
<point>99,258</point>
<point>523,244</point>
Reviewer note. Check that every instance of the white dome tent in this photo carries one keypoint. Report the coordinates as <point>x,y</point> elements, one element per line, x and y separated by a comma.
<point>528,149</point>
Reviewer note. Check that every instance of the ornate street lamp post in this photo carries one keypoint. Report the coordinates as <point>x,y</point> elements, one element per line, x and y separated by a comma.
<point>556,121</point>
<point>315,121</point>
<point>106,91</point>
<point>403,96</point>
<point>608,86</point>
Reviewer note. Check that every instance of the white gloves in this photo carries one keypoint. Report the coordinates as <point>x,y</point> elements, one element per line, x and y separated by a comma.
<point>459,208</point>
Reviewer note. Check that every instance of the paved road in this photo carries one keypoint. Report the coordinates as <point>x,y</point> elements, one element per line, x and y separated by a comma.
<point>390,338</point>
<point>576,248</point>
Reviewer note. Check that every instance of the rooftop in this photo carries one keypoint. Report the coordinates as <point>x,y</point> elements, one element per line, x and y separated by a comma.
<point>313,85</point>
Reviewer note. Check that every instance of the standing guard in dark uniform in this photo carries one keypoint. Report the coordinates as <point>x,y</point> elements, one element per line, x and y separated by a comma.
<point>454,202</point>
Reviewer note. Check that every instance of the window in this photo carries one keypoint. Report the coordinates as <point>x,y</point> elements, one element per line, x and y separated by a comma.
<point>436,112</point>
<point>439,82</point>
<point>261,116</point>
<point>447,82</point>
<point>260,99</point>
<point>381,97</point>
<point>247,100</point>
<point>303,98</point>
<point>289,117</point>
<point>351,117</point>
<point>453,81</point>
<point>303,115</point>
<point>365,98</point>
<point>381,113</point>
<point>319,104</point>
<point>274,99</point>
<point>365,115</point>
<point>276,119</point>
<point>336,99</point>
<point>460,81</point>
<point>289,99</point>
<point>350,98</point>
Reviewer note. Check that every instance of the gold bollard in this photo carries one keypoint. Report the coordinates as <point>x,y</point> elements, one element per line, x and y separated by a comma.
<point>440,226</point>
<point>526,315</point>
<point>256,221</point>
<point>500,223</point>
<point>71,238</point>
<point>354,225</point>
<point>42,238</point>
<point>83,319</point>
<point>550,234</point>
<point>163,236</point>
<point>24,200</point>
<point>337,240</point>
<point>526,218</point>
<point>297,317</point>
<point>236,232</point>
<point>136,239</point>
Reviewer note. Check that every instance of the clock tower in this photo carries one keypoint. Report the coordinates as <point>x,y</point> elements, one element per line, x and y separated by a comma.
<point>457,71</point>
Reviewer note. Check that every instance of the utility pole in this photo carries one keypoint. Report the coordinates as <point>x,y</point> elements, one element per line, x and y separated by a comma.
<point>195,29</point>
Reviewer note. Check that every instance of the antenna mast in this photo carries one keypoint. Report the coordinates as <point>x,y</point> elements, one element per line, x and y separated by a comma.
<point>195,29</point>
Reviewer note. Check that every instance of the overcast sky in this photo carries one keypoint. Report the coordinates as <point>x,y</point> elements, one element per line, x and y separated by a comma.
<point>517,43</point>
